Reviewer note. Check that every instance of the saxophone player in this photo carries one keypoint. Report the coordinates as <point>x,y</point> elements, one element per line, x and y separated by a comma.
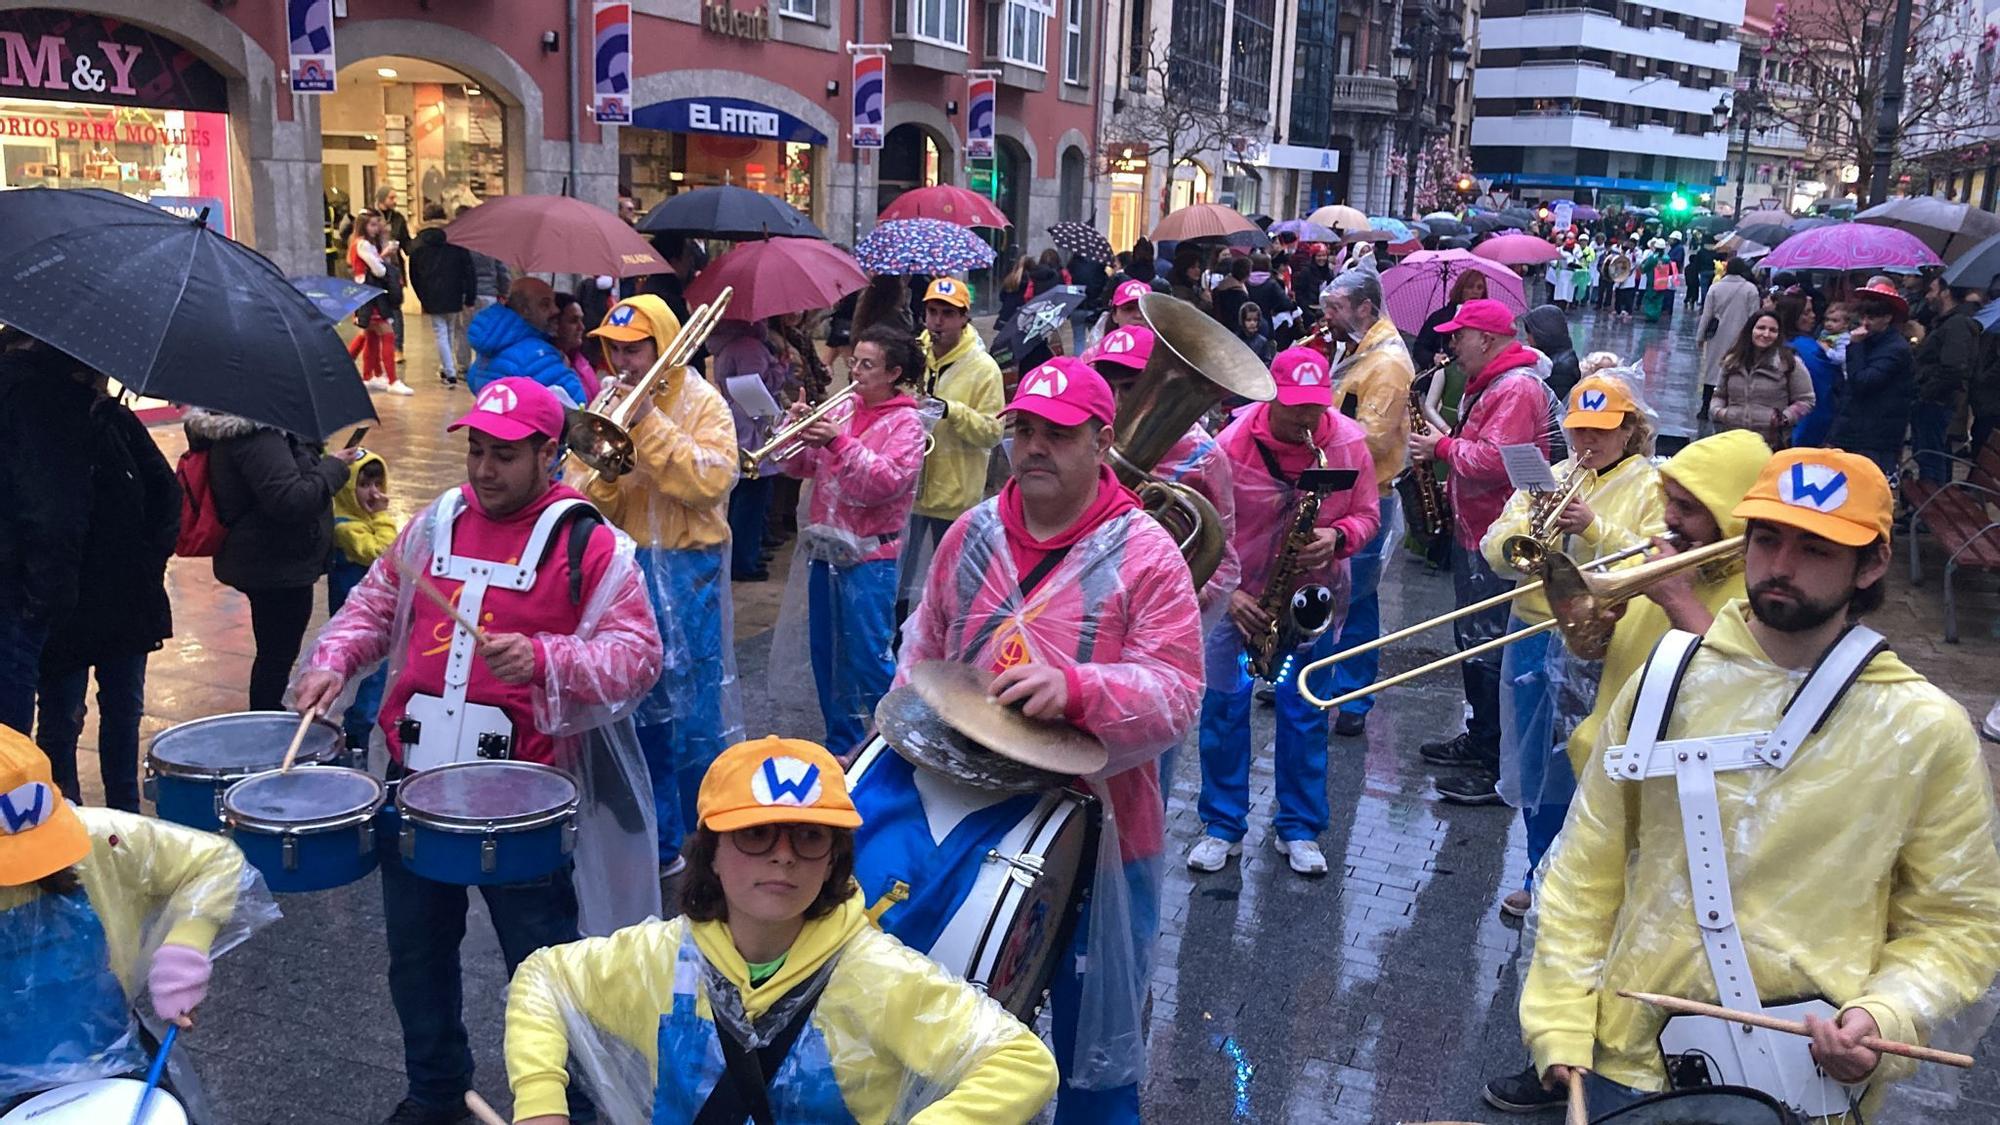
<point>1268,446</point>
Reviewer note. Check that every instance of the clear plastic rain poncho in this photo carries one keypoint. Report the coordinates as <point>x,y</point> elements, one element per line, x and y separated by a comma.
<point>75,964</point>
<point>638,1016</point>
<point>592,682</point>
<point>1120,611</point>
<point>1864,872</point>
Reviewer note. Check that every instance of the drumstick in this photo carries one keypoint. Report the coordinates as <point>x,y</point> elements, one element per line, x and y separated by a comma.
<point>483,1111</point>
<point>1579,1110</point>
<point>298,739</point>
<point>1797,1027</point>
<point>429,589</point>
<point>153,1075</point>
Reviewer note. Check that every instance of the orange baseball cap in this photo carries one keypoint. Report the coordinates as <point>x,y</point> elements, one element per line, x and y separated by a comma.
<point>1835,495</point>
<point>1598,403</point>
<point>40,834</point>
<point>774,780</point>
<point>951,291</point>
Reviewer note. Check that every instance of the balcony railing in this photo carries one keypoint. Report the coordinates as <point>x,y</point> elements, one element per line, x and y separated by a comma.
<point>1363,93</point>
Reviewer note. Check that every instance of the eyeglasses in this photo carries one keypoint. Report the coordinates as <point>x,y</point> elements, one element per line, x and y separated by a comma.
<point>808,841</point>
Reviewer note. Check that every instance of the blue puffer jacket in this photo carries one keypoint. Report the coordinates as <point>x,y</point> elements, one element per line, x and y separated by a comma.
<point>505,346</point>
<point>1872,400</point>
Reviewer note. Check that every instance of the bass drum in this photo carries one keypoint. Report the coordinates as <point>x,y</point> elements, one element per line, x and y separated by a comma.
<point>989,885</point>
<point>102,1101</point>
<point>1714,1105</point>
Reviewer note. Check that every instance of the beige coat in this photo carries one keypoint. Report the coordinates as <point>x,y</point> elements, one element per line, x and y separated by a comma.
<point>1728,307</point>
<point>1770,398</point>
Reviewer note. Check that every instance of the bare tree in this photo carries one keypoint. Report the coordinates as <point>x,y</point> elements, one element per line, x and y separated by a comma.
<point>1175,119</point>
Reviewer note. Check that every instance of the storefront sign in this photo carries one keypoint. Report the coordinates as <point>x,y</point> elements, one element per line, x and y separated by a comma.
<point>207,208</point>
<point>310,23</point>
<point>106,130</point>
<point>611,52</point>
<point>1299,158</point>
<point>979,111</point>
<point>734,117</point>
<point>871,94</point>
<point>723,18</point>
<point>60,56</point>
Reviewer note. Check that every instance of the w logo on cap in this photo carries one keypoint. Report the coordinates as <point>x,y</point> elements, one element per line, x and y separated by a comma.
<point>27,806</point>
<point>498,399</point>
<point>786,781</point>
<point>1819,487</point>
<point>944,286</point>
<point>1046,381</point>
<point>1592,400</point>
<point>622,315</point>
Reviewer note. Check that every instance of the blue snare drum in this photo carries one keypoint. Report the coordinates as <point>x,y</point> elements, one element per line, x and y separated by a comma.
<point>191,765</point>
<point>307,830</point>
<point>480,823</point>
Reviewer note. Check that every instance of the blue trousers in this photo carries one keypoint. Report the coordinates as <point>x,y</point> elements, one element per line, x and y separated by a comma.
<point>21,642</point>
<point>1545,818</point>
<point>1364,612</point>
<point>1928,423</point>
<point>1076,1106</point>
<point>749,512</point>
<point>121,702</point>
<point>683,732</point>
<point>852,620</point>
<point>1300,759</point>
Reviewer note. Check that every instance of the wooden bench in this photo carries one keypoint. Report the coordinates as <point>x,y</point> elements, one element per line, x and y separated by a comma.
<point>1963,516</point>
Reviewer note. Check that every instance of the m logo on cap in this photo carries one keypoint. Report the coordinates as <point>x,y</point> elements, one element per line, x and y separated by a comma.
<point>1119,342</point>
<point>786,781</point>
<point>1046,381</point>
<point>1592,400</point>
<point>27,806</point>
<point>1819,487</point>
<point>1308,374</point>
<point>497,399</point>
<point>622,315</point>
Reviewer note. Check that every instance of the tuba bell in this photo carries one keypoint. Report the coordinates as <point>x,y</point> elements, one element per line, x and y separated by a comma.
<point>1196,362</point>
<point>1618,267</point>
<point>600,435</point>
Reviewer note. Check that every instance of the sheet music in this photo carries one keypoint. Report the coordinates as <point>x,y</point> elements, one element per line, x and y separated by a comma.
<point>1527,468</point>
<point>752,397</point>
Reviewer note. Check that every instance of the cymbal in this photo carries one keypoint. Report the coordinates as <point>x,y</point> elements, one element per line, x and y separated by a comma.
<point>943,719</point>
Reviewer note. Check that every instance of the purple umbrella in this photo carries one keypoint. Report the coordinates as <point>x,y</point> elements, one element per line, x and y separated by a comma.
<point>1852,246</point>
<point>924,246</point>
<point>1306,229</point>
<point>1422,285</point>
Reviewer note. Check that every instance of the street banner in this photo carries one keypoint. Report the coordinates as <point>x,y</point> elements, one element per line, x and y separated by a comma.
<point>611,61</point>
<point>1565,213</point>
<point>980,94</point>
<point>310,24</point>
<point>871,94</point>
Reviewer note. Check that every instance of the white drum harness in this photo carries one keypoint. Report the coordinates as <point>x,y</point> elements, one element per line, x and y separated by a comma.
<point>1778,1064</point>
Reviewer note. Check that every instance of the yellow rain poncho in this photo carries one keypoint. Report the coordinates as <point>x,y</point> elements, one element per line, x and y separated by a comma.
<point>1373,387</point>
<point>1864,871</point>
<point>955,472</point>
<point>1629,507</point>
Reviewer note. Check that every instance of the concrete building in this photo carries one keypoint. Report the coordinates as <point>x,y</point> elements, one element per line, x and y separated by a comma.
<point>1604,100</point>
<point>1770,161</point>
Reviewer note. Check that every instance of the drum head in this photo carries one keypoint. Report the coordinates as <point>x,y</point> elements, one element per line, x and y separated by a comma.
<point>1042,922</point>
<point>239,745</point>
<point>1717,1105</point>
<point>309,796</point>
<point>477,793</point>
<point>916,731</point>
<point>98,1102</point>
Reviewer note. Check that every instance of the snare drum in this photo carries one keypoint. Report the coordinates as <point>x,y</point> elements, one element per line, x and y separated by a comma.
<point>1714,1105</point>
<point>987,884</point>
<point>480,823</point>
<point>102,1101</point>
<point>307,830</point>
<point>191,765</point>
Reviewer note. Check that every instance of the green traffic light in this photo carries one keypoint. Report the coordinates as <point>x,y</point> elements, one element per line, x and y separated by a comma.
<point>1679,203</point>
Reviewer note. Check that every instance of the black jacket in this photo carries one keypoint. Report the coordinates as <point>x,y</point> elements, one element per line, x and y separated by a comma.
<point>135,514</point>
<point>1548,333</point>
<point>1872,399</point>
<point>442,274</point>
<point>1949,355</point>
<point>45,477</point>
<point>1430,343</point>
<point>275,492</point>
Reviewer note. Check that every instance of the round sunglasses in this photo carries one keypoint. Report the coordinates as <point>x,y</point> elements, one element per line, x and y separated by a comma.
<point>808,841</point>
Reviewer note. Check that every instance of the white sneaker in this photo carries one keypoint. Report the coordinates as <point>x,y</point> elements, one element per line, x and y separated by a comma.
<point>1304,855</point>
<point>400,388</point>
<point>1990,725</point>
<point>1211,854</point>
<point>378,383</point>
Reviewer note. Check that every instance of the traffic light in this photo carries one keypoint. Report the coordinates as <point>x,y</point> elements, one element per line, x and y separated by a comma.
<point>1543,214</point>
<point>1464,185</point>
<point>1679,203</point>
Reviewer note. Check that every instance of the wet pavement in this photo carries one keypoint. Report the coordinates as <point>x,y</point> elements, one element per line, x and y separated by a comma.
<point>1383,992</point>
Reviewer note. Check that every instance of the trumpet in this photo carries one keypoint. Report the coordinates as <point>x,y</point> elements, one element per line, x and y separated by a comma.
<point>1582,601</point>
<point>785,444</point>
<point>600,435</point>
<point>1525,552</point>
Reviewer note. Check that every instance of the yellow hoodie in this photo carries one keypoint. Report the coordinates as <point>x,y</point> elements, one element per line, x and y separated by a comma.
<point>678,496</point>
<point>362,536</point>
<point>954,476</point>
<point>893,1021</point>
<point>1864,872</point>
<point>1628,508</point>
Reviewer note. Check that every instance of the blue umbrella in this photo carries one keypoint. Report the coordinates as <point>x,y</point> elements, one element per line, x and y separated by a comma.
<point>921,246</point>
<point>1397,227</point>
<point>336,297</point>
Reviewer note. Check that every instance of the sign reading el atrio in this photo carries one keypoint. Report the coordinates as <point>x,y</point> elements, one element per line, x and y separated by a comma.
<point>62,56</point>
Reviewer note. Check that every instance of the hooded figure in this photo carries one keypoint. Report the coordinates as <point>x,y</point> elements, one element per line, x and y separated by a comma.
<point>1548,332</point>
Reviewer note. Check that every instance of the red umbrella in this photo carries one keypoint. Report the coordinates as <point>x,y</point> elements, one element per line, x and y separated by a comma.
<point>949,203</point>
<point>1517,250</point>
<point>1203,220</point>
<point>778,275</point>
<point>554,234</point>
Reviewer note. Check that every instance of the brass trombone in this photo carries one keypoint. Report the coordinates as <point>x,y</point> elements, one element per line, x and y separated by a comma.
<point>1581,601</point>
<point>1525,552</point>
<point>600,435</point>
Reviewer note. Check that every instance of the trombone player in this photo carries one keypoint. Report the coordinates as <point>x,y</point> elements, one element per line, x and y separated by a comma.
<point>674,504</point>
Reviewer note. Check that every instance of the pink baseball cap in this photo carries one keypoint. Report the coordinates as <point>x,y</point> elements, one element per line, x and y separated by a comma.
<point>513,408</point>
<point>1302,378</point>
<point>1128,292</point>
<point>1066,391</point>
<point>1130,346</point>
<point>1485,315</point>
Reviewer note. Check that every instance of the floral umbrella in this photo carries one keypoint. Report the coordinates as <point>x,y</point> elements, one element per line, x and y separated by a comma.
<point>921,246</point>
<point>1422,285</point>
<point>1852,246</point>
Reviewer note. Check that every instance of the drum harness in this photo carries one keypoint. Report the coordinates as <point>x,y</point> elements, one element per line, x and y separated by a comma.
<point>461,730</point>
<point>1752,1056</point>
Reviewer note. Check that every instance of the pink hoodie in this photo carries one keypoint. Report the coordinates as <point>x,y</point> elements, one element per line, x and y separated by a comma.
<point>1262,500</point>
<point>865,480</point>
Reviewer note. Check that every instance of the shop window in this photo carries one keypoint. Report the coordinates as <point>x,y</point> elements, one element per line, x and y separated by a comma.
<point>1073,44</point>
<point>799,9</point>
<point>1017,31</point>
<point>933,21</point>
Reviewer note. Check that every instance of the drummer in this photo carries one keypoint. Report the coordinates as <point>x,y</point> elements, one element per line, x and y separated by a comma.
<point>95,905</point>
<point>773,936</point>
<point>563,651</point>
<point>1081,606</point>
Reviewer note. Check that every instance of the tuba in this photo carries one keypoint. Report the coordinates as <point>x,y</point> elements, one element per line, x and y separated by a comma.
<point>1196,363</point>
<point>1618,267</point>
<point>600,435</point>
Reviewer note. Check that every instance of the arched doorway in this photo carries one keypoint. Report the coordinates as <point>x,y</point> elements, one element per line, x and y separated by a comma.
<point>912,157</point>
<point>1190,185</point>
<point>1070,193</point>
<point>1012,169</point>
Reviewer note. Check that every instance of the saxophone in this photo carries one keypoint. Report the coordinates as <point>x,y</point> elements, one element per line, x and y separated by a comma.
<point>1298,614</point>
<point>1434,513</point>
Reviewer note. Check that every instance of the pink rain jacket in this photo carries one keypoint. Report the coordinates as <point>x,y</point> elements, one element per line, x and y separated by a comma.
<point>1197,460</point>
<point>1510,405</point>
<point>865,480</point>
<point>1263,502</point>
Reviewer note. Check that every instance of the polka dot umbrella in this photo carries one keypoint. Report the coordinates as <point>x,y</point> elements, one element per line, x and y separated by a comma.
<point>921,246</point>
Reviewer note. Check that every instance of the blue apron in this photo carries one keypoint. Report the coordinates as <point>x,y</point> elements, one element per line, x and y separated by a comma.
<point>70,1017</point>
<point>804,1091</point>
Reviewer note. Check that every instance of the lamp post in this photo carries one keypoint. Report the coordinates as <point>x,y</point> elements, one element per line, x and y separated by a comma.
<point>1889,111</point>
<point>1415,80</point>
<point>1749,105</point>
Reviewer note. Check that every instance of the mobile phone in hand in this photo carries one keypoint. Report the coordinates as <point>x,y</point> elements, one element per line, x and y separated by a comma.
<point>354,439</point>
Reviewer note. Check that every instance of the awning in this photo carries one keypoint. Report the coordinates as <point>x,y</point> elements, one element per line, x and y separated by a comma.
<point>731,117</point>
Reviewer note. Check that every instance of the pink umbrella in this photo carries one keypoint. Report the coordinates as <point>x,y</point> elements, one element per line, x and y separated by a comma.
<point>1852,246</point>
<point>949,203</point>
<point>554,234</point>
<point>779,275</point>
<point>1516,250</point>
<point>1415,290</point>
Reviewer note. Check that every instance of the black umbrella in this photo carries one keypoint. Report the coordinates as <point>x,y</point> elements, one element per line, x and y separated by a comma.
<point>728,212</point>
<point>1036,319</point>
<point>173,310</point>
<point>1978,267</point>
<point>1485,224</point>
<point>1765,234</point>
<point>1714,224</point>
<point>335,297</point>
<point>1083,239</point>
<point>1443,227</point>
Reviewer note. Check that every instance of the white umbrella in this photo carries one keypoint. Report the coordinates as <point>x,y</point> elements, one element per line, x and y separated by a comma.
<point>1946,227</point>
